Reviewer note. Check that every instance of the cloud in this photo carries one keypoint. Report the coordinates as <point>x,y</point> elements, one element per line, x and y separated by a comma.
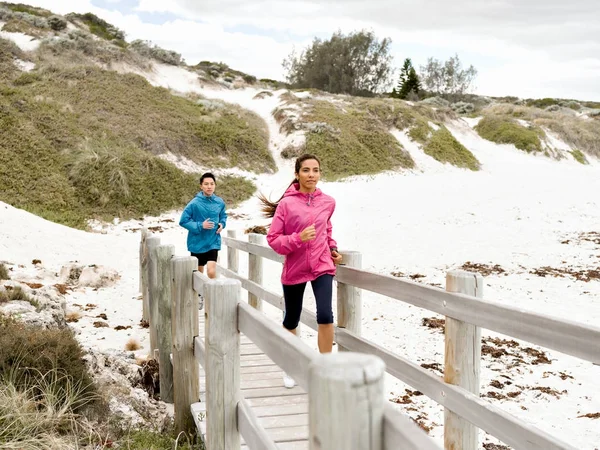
<point>525,48</point>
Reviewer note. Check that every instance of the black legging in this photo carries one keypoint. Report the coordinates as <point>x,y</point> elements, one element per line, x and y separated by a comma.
<point>294,295</point>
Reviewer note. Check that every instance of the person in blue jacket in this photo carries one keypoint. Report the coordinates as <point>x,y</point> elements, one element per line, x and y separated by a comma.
<point>204,217</point>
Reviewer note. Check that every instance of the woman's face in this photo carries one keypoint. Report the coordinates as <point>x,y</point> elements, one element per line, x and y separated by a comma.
<point>208,186</point>
<point>309,175</point>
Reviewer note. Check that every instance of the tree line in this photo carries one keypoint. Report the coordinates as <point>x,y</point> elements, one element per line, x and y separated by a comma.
<point>360,64</point>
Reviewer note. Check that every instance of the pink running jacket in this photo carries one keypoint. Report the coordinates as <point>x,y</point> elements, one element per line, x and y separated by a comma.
<point>304,261</point>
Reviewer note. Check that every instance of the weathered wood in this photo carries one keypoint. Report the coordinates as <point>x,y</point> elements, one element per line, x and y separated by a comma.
<point>349,298</point>
<point>346,402</point>
<point>462,359</point>
<point>556,333</point>
<point>163,256</point>
<point>256,249</point>
<point>285,349</point>
<point>152,242</point>
<point>509,429</point>
<point>233,258</point>
<point>143,236</point>
<point>255,270</point>
<point>199,351</point>
<point>184,316</point>
<point>222,365</point>
<point>253,432</point>
<point>306,317</point>
<point>401,432</point>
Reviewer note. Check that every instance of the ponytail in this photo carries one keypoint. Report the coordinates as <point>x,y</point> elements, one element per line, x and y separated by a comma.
<point>269,207</point>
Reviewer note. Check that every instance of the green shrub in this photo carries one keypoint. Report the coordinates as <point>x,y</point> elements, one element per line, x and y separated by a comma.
<point>57,23</point>
<point>444,147</point>
<point>100,28</point>
<point>147,49</point>
<point>579,156</point>
<point>504,130</point>
<point>16,293</point>
<point>151,440</point>
<point>250,79</point>
<point>26,78</point>
<point>29,353</point>
<point>4,272</point>
<point>352,142</point>
<point>542,103</point>
<point>32,10</point>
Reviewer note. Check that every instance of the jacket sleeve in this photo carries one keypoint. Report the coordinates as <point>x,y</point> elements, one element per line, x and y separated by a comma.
<point>187,221</point>
<point>223,216</point>
<point>281,243</point>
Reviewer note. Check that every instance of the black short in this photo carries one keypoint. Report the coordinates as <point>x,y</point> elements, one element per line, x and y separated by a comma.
<point>203,258</point>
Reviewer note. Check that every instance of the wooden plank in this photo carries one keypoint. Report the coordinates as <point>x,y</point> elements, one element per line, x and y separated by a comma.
<point>184,329</point>
<point>152,242</point>
<point>280,410</point>
<point>255,271</point>
<point>295,445</point>
<point>252,431</point>
<point>398,428</point>
<point>261,369</point>
<point>294,420</point>
<point>462,360</point>
<point>349,299</point>
<point>199,352</point>
<point>289,434</point>
<point>285,349</point>
<point>222,363</point>
<point>270,401</point>
<point>559,334</point>
<point>272,392</point>
<point>233,260</point>
<point>256,249</point>
<point>253,383</point>
<point>481,413</point>
<point>164,327</point>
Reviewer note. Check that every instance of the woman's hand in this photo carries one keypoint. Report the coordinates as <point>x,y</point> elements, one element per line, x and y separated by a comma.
<point>208,224</point>
<point>337,258</point>
<point>308,234</point>
<point>219,228</point>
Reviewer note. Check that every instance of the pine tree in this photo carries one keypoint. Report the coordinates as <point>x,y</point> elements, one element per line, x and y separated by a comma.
<point>409,80</point>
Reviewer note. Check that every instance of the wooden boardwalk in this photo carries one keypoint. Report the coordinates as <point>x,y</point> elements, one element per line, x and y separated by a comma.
<point>281,411</point>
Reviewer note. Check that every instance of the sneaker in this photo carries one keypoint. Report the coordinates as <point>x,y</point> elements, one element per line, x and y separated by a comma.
<point>288,381</point>
<point>200,301</point>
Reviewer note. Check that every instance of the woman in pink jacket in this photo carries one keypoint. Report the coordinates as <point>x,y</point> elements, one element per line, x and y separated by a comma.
<point>301,230</point>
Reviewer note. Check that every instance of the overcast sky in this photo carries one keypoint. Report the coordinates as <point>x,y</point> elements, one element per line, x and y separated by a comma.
<point>527,48</point>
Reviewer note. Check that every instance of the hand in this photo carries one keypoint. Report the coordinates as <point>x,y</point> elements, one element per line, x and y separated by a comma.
<point>337,258</point>
<point>208,224</point>
<point>219,229</point>
<point>308,234</point>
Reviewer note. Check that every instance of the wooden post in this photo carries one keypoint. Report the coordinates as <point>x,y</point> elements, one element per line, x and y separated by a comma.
<point>144,235</point>
<point>462,361</point>
<point>346,402</point>
<point>233,260</point>
<point>164,253</point>
<point>255,272</point>
<point>184,324</point>
<point>349,298</point>
<point>152,243</point>
<point>222,363</point>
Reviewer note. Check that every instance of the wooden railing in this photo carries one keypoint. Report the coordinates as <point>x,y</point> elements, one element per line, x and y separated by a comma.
<point>462,303</point>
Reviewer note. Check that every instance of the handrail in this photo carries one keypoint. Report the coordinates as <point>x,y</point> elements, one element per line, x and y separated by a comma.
<point>504,426</point>
<point>566,336</point>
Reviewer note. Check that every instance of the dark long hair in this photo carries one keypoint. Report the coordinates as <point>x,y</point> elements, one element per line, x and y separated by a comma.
<point>268,207</point>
